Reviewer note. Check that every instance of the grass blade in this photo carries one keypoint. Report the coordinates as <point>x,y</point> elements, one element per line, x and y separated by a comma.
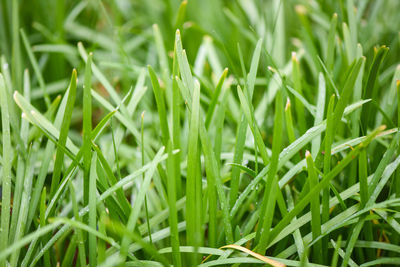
<point>159,95</point>
<point>173,214</point>
<point>269,199</point>
<point>63,134</point>
<point>79,234</point>
<point>87,128</point>
<point>35,67</point>
<point>6,170</point>
<point>193,199</point>
<point>92,212</point>
<point>315,211</point>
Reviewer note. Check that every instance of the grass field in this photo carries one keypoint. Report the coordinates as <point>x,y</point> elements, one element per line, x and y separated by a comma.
<point>200,133</point>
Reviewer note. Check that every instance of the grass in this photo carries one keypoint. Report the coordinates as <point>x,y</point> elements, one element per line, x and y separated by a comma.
<point>155,133</point>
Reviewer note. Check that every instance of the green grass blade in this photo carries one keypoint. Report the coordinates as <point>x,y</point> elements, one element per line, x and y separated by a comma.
<point>159,96</point>
<point>350,47</point>
<point>363,174</point>
<point>370,88</point>
<point>192,198</point>
<point>398,102</point>
<point>329,137</point>
<point>87,128</point>
<point>215,97</point>
<point>316,143</point>
<point>70,253</point>
<point>335,256</point>
<point>16,58</point>
<point>143,177</point>
<point>6,170</point>
<point>237,159</point>
<point>180,18</point>
<point>315,209</point>
<point>247,110</point>
<point>43,223</point>
<point>176,124</point>
<point>251,77</point>
<point>347,90</point>
<point>173,214</point>
<point>331,42</point>
<point>62,139</point>
<point>92,212</point>
<point>289,121</point>
<point>269,199</point>
<point>296,77</point>
<point>81,246</point>
<point>35,67</point>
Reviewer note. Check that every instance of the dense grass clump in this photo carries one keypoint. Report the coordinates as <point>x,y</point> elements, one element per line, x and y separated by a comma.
<point>211,133</point>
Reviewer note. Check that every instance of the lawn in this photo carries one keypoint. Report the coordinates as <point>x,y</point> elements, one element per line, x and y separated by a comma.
<point>200,133</point>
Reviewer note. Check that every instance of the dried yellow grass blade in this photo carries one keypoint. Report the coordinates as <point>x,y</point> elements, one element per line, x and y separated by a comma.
<point>256,255</point>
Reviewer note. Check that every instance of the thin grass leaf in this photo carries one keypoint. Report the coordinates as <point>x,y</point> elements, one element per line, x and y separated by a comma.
<point>92,212</point>
<point>6,172</point>
<point>35,67</point>
<point>43,223</point>
<point>289,121</point>
<point>335,256</point>
<point>143,177</point>
<point>180,17</point>
<point>245,169</point>
<point>331,42</point>
<point>173,214</point>
<point>269,199</point>
<point>70,253</point>
<point>363,174</point>
<point>315,209</point>
<point>16,49</point>
<point>215,97</point>
<point>193,217</point>
<point>79,234</point>
<point>62,139</point>
<point>370,90</point>
<point>247,110</point>
<point>319,115</point>
<point>87,128</point>
<point>296,77</point>
<point>350,46</point>
<point>159,96</point>
<point>296,235</point>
